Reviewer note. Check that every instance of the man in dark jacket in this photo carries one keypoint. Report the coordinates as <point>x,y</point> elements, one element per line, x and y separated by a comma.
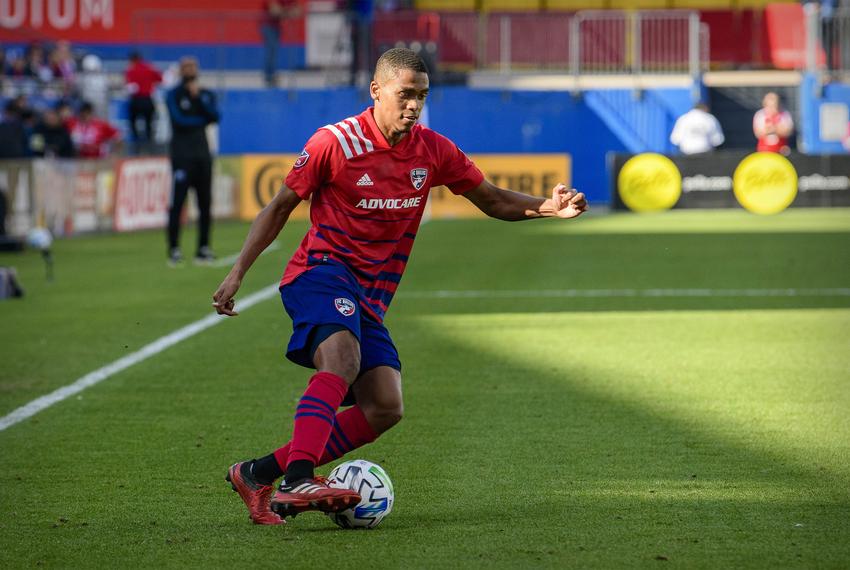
<point>50,138</point>
<point>12,136</point>
<point>191,109</point>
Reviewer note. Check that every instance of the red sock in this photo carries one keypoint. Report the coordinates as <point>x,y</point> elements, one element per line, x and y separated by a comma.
<point>314,416</point>
<point>350,431</point>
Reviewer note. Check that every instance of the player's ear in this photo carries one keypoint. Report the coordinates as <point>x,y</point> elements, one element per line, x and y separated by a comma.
<point>374,90</point>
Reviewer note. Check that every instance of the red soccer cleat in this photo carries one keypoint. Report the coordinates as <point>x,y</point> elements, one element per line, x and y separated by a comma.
<point>311,495</point>
<point>254,494</point>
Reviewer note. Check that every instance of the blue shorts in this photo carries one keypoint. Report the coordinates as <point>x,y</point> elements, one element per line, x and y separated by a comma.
<point>329,294</point>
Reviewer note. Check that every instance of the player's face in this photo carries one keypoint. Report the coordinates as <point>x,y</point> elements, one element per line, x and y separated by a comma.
<point>399,100</point>
<point>188,68</point>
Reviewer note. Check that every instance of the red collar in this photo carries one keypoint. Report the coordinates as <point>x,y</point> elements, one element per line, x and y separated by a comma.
<point>378,137</point>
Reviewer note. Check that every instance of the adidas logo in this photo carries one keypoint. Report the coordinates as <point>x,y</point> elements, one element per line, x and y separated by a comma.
<point>365,181</point>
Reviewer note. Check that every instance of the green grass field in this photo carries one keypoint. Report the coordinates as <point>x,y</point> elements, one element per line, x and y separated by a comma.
<point>579,394</point>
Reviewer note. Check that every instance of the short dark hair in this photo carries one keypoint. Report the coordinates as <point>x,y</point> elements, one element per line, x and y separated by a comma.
<point>86,107</point>
<point>394,60</point>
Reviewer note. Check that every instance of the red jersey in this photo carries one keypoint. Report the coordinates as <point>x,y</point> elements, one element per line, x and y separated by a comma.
<point>368,198</point>
<point>772,142</point>
<point>141,79</point>
<point>91,137</point>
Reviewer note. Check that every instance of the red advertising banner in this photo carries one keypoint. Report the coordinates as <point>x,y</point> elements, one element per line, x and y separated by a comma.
<point>139,21</point>
<point>142,194</point>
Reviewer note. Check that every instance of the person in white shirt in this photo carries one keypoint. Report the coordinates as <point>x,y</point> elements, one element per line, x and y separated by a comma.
<point>697,131</point>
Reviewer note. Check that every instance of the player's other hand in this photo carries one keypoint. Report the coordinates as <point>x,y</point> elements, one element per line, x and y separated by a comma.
<point>568,203</point>
<point>223,297</point>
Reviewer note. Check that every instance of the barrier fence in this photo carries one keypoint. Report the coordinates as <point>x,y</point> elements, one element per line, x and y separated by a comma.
<point>70,197</point>
<point>828,34</point>
<point>82,196</point>
<point>728,179</point>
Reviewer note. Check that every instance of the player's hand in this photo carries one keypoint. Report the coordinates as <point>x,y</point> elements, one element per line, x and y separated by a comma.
<point>568,203</point>
<point>223,297</point>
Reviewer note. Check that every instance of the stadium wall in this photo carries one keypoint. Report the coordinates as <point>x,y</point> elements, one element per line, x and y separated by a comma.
<point>479,121</point>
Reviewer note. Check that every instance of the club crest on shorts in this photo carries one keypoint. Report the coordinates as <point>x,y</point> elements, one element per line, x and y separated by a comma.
<point>344,306</point>
<point>418,176</point>
<point>302,159</point>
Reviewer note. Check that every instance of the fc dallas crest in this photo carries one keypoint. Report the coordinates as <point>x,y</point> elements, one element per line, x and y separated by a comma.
<point>344,306</point>
<point>418,176</point>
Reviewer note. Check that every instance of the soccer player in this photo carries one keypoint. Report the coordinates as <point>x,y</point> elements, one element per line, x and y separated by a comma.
<point>368,177</point>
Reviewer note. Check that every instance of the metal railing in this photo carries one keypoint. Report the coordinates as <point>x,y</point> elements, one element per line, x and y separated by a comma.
<point>590,42</point>
<point>582,43</point>
<point>605,42</point>
<point>827,39</point>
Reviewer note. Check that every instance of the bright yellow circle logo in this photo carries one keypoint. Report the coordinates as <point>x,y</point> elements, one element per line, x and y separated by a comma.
<point>649,183</point>
<point>765,183</point>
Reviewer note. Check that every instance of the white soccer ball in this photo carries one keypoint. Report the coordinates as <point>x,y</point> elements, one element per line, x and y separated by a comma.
<point>39,238</point>
<point>375,488</point>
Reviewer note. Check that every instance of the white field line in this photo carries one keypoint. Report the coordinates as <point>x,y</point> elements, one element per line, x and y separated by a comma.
<point>225,261</point>
<point>117,366</point>
<point>622,293</point>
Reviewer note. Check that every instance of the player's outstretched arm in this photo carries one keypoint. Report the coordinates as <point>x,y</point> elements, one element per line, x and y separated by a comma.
<point>264,230</point>
<point>515,206</point>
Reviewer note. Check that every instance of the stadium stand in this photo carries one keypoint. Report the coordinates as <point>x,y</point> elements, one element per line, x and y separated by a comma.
<point>583,77</point>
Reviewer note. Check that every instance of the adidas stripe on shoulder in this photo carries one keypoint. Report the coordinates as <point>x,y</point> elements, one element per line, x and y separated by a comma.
<point>351,138</point>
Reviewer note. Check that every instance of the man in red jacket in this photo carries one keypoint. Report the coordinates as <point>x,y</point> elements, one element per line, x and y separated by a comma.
<point>772,125</point>
<point>92,136</point>
<point>141,79</point>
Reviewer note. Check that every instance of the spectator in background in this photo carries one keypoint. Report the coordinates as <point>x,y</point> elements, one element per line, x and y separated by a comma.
<point>697,131</point>
<point>141,80</point>
<point>93,137</point>
<point>191,109</point>
<point>13,142</point>
<point>94,85</point>
<point>772,126</point>
<point>17,68</point>
<point>50,138</point>
<point>28,119</point>
<point>65,110</point>
<point>36,64</point>
<point>274,12</point>
<point>63,66</point>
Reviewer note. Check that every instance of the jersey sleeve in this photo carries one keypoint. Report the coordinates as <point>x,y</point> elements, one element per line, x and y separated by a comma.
<point>314,166</point>
<point>455,170</point>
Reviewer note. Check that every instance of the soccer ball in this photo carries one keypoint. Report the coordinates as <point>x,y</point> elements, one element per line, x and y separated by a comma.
<point>375,488</point>
<point>39,238</point>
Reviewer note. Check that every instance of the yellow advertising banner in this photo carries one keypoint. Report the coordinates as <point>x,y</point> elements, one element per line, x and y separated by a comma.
<point>534,174</point>
<point>262,177</point>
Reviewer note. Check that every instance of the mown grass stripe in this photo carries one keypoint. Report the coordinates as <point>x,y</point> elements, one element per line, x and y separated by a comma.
<point>530,293</point>
<point>30,409</point>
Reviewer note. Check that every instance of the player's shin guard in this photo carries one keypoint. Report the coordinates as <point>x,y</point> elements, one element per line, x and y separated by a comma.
<point>314,417</point>
<point>350,431</point>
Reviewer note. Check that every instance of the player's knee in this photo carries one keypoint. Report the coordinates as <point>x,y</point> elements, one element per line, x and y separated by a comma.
<point>394,415</point>
<point>383,417</point>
